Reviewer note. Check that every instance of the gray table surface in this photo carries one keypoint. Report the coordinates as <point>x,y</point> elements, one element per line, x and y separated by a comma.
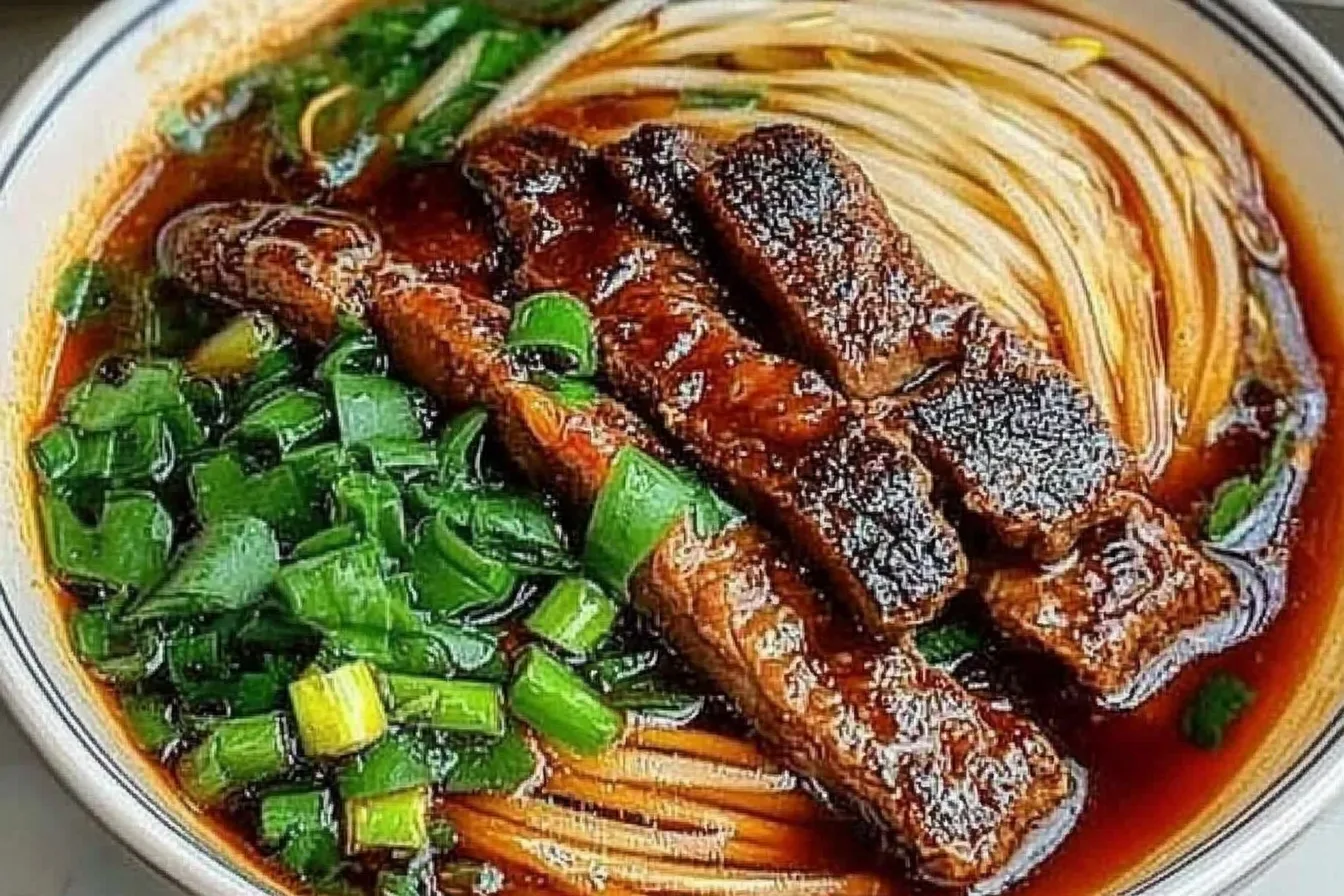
<point>49,846</point>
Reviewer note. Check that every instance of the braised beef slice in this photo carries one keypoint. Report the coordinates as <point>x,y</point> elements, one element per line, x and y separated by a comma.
<point>850,494</point>
<point>656,167</point>
<point>1021,438</point>
<point>309,265</point>
<point>1128,596</point>
<point>803,224</point>
<point>956,782</point>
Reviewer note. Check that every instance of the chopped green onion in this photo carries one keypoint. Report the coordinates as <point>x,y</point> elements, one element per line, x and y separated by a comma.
<point>288,815</point>
<point>576,616</point>
<point>116,652</point>
<point>345,589</point>
<point>946,642</point>
<point>84,291</point>
<point>127,549</point>
<point>326,541</point>
<point>650,698</point>
<point>276,370</point>
<point>560,705</point>
<point>394,763</point>
<point>401,459</point>
<point>236,753</point>
<point>355,351</point>
<point>282,496</point>
<point>312,855</point>
<point>1221,700</point>
<point>518,530</point>
<point>340,712</point>
<point>556,323</point>
<point>227,567</point>
<point>468,707</point>
<point>722,99</point>
<point>569,391</point>
<point>502,766</point>
<point>638,505</point>
<point>391,884</point>
<point>143,451</point>
<point>284,421</point>
<point>150,722</point>
<point>460,446</point>
<point>152,388</point>
<point>374,505</point>
<point>194,657</point>
<point>237,349</point>
<point>452,577</point>
<point>373,407</point>
<point>393,821</point>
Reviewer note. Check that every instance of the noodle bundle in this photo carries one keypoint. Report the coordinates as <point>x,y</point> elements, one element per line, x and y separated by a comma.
<point>1084,191</point>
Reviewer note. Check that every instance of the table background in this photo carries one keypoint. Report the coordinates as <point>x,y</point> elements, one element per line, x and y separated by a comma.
<point>50,847</point>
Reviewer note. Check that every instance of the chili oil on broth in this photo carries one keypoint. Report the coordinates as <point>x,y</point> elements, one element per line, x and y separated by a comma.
<point>1147,784</point>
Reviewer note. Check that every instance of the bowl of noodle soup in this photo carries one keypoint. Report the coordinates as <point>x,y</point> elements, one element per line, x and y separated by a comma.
<point>1146,192</point>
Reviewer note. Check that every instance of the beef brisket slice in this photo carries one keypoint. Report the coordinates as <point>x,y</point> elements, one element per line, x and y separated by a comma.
<point>803,224</point>
<point>1133,589</point>
<point>850,494</point>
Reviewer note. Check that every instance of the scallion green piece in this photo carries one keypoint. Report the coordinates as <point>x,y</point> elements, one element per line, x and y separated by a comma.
<point>127,549</point>
<point>401,459</point>
<point>227,567</point>
<point>519,530</point>
<point>326,541</point>
<point>153,388</point>
<point>1219,702</point>
<point>638,504</point>
<point>116,652</point>
<point>236,753</point>
<point>460,446</point>
<point>345,589</point>
<point>394,763</point>
<point>393,821</point>
<point>501,766</point>
<point>284,421</point>
<point>946,642</point>
<point>356,351</point>
<point>373,407</point>
<point>467,707</point>
<point>339,712</point>
<point>575,616</point>
<point>288,815</point>
<point>150,721</point>
<point>84,291</point>
<point>452,577</point>
<point>313,855</point>
<point>374,505</point>
<point>556,323</point>
<point>722,99</point>
<point>560,706</point>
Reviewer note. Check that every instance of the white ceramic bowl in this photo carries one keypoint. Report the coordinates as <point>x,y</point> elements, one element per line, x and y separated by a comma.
<point>75,135</point>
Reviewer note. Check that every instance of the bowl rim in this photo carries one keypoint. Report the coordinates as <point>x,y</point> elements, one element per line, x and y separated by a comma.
<point>126,805</point>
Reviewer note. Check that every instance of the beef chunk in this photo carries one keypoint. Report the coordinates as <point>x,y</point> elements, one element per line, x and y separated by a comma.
<point>1133,594</point>
<point>656,168</point>
<point>803,224</point>
<point>1022,439</point>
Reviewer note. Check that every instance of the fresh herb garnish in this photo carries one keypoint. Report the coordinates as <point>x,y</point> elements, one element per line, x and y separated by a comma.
<point>1220,701</point>
<point>946,642</point>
